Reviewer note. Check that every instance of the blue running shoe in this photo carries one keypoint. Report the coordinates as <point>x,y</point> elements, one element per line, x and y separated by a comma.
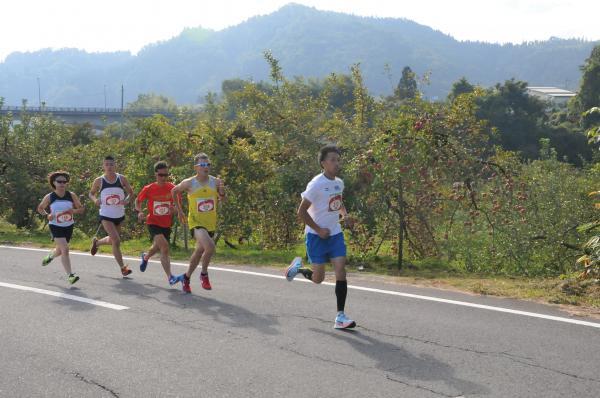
<point>144,262</point>
<point>292,270</point>
<point>173,279</point>
<point>343,322</point>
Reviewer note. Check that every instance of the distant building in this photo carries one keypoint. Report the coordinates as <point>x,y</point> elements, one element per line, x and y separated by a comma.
<point>556,96</point>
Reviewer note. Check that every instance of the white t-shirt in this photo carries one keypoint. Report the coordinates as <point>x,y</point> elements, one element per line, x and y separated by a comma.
<point>325,196</point>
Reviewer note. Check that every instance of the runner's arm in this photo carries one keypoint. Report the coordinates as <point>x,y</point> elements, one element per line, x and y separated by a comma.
<point>346,219</point>
<point>43,206</point>
<point>94,192</point>
<point>220,189</point>
<point>176,195</point>
<point>138,205</point>
<point>77,206</point>
<point>308,220</point>
<point>128,190</point>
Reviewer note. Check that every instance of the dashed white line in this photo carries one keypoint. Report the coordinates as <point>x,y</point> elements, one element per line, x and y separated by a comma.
<point>65,296</point>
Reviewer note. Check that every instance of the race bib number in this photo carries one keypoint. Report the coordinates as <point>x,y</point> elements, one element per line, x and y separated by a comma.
<point>204,205</point>
<point>162,208</point>
<point>335,202</point>
<point>112,200</point>
<point>64,217</point>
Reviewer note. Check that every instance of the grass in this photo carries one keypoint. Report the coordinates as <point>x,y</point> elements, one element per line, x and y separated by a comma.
<point>429,273</point>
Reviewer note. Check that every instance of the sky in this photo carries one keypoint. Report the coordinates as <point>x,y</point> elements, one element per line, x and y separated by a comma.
<point>129,25</point>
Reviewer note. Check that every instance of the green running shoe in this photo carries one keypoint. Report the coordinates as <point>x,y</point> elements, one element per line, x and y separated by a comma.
<point>72,278</point>
<point>46,260</point>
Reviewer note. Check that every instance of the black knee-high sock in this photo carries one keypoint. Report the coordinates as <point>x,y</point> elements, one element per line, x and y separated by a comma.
<point>341,290</point>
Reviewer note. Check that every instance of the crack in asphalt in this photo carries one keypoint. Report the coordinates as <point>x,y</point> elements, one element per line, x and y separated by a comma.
<point>417,386</point>
<point>84,379</point>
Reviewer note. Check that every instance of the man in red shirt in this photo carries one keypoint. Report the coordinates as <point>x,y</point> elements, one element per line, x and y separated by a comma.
<point>159,218</point>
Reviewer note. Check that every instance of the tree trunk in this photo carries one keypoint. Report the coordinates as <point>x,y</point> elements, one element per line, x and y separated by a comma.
<point>401,232</point>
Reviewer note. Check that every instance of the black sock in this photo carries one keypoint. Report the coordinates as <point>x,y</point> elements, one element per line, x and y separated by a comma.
<point>341,290</point>
<point>203,273</point>
<point>306,272</point>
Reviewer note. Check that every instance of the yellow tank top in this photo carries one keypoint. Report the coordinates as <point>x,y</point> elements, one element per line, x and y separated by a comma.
<point>202,204</point>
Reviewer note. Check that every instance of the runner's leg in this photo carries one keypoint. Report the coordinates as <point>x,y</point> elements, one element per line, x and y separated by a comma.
<point>63,248</point>
<point>114,238</point>
<point>161,244</point>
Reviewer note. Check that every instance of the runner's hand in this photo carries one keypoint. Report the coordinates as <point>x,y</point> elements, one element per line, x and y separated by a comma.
<point>349,222</point>
<point>141,216</point>
<point>97,202</point>
<point>50,217</point>
<point>324,233</point>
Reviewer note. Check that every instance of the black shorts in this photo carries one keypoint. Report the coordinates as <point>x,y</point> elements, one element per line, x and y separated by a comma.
<point>158,230</point>
<point>210,233</point>
<point>115,221</point>
<point>61,232</point>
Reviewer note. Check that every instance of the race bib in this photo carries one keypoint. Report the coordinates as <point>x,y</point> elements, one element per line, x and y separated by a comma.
<point>162,208</point>
<point>112,200</point>
<point>64,217</point>
<point>204,205</point>
<point>335,202</point>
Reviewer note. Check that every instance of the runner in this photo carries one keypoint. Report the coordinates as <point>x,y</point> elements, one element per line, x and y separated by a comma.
<point>112,188</point>
<point>320,210</point>
<point>62,205</point>
<point>202,190</point>
<point>159,218</point>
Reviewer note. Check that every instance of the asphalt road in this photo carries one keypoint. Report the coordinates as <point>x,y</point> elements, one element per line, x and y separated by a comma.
<point>256,335</point>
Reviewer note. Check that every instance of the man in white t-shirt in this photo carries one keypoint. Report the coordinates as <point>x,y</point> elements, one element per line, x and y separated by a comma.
<point>320,210</point>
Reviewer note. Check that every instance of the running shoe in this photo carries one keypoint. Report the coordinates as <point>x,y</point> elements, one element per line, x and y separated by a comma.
<point>94,248</point>
<point>72,278</point>
<point>46,260</point>
<point>343,322</point>
<point>292,270</point>
<point>144,262</point>
<point>205,282</point>
<point>125,271</point>
<point>173,279</point>
<point>185,284</point>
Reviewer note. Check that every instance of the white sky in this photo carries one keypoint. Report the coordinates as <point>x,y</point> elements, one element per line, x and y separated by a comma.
<point>111,25</point>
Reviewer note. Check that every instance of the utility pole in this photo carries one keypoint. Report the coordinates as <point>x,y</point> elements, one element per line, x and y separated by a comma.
<point>122,109</point>
<point>39,94</point>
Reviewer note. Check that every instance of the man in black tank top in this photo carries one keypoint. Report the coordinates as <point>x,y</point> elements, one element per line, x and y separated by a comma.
<point>115,194</point>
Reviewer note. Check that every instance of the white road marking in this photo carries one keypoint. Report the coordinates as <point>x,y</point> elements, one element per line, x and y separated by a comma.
<point>366,289</point>
<point>65,296</point>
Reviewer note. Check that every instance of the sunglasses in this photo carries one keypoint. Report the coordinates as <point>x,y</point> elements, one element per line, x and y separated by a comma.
<point>163,174</point>
<point>61,181</point>
<point>203,164</point>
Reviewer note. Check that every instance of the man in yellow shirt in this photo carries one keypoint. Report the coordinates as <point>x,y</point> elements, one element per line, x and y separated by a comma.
<point>203,192</point>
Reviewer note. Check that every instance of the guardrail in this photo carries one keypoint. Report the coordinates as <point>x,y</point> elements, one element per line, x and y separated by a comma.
<point>75,111</point>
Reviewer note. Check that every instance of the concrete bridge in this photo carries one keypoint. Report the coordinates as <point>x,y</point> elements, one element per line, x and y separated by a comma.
<point>99,118</point>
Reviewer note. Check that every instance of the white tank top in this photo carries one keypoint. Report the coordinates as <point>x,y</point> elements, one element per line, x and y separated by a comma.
<point>111,194</point>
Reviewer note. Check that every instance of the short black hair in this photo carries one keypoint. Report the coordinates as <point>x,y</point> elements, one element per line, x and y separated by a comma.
<point>109,157</point>
<point>328,149</point>
<point>161,164</point>
<point>55,174</point>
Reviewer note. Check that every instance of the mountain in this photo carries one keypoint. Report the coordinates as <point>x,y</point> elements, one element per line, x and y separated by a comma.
<point>306,41</point>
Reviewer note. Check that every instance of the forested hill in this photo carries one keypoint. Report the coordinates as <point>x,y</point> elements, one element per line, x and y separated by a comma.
<point>307,42</point>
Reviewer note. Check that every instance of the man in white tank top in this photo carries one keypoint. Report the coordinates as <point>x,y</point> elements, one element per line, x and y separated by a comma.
<point>115,193</point>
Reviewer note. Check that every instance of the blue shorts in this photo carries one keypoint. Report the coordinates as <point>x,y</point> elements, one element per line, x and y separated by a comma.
<point>320,251</point>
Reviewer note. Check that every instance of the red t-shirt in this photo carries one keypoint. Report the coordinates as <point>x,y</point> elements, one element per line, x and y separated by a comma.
<point>160,203</point>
